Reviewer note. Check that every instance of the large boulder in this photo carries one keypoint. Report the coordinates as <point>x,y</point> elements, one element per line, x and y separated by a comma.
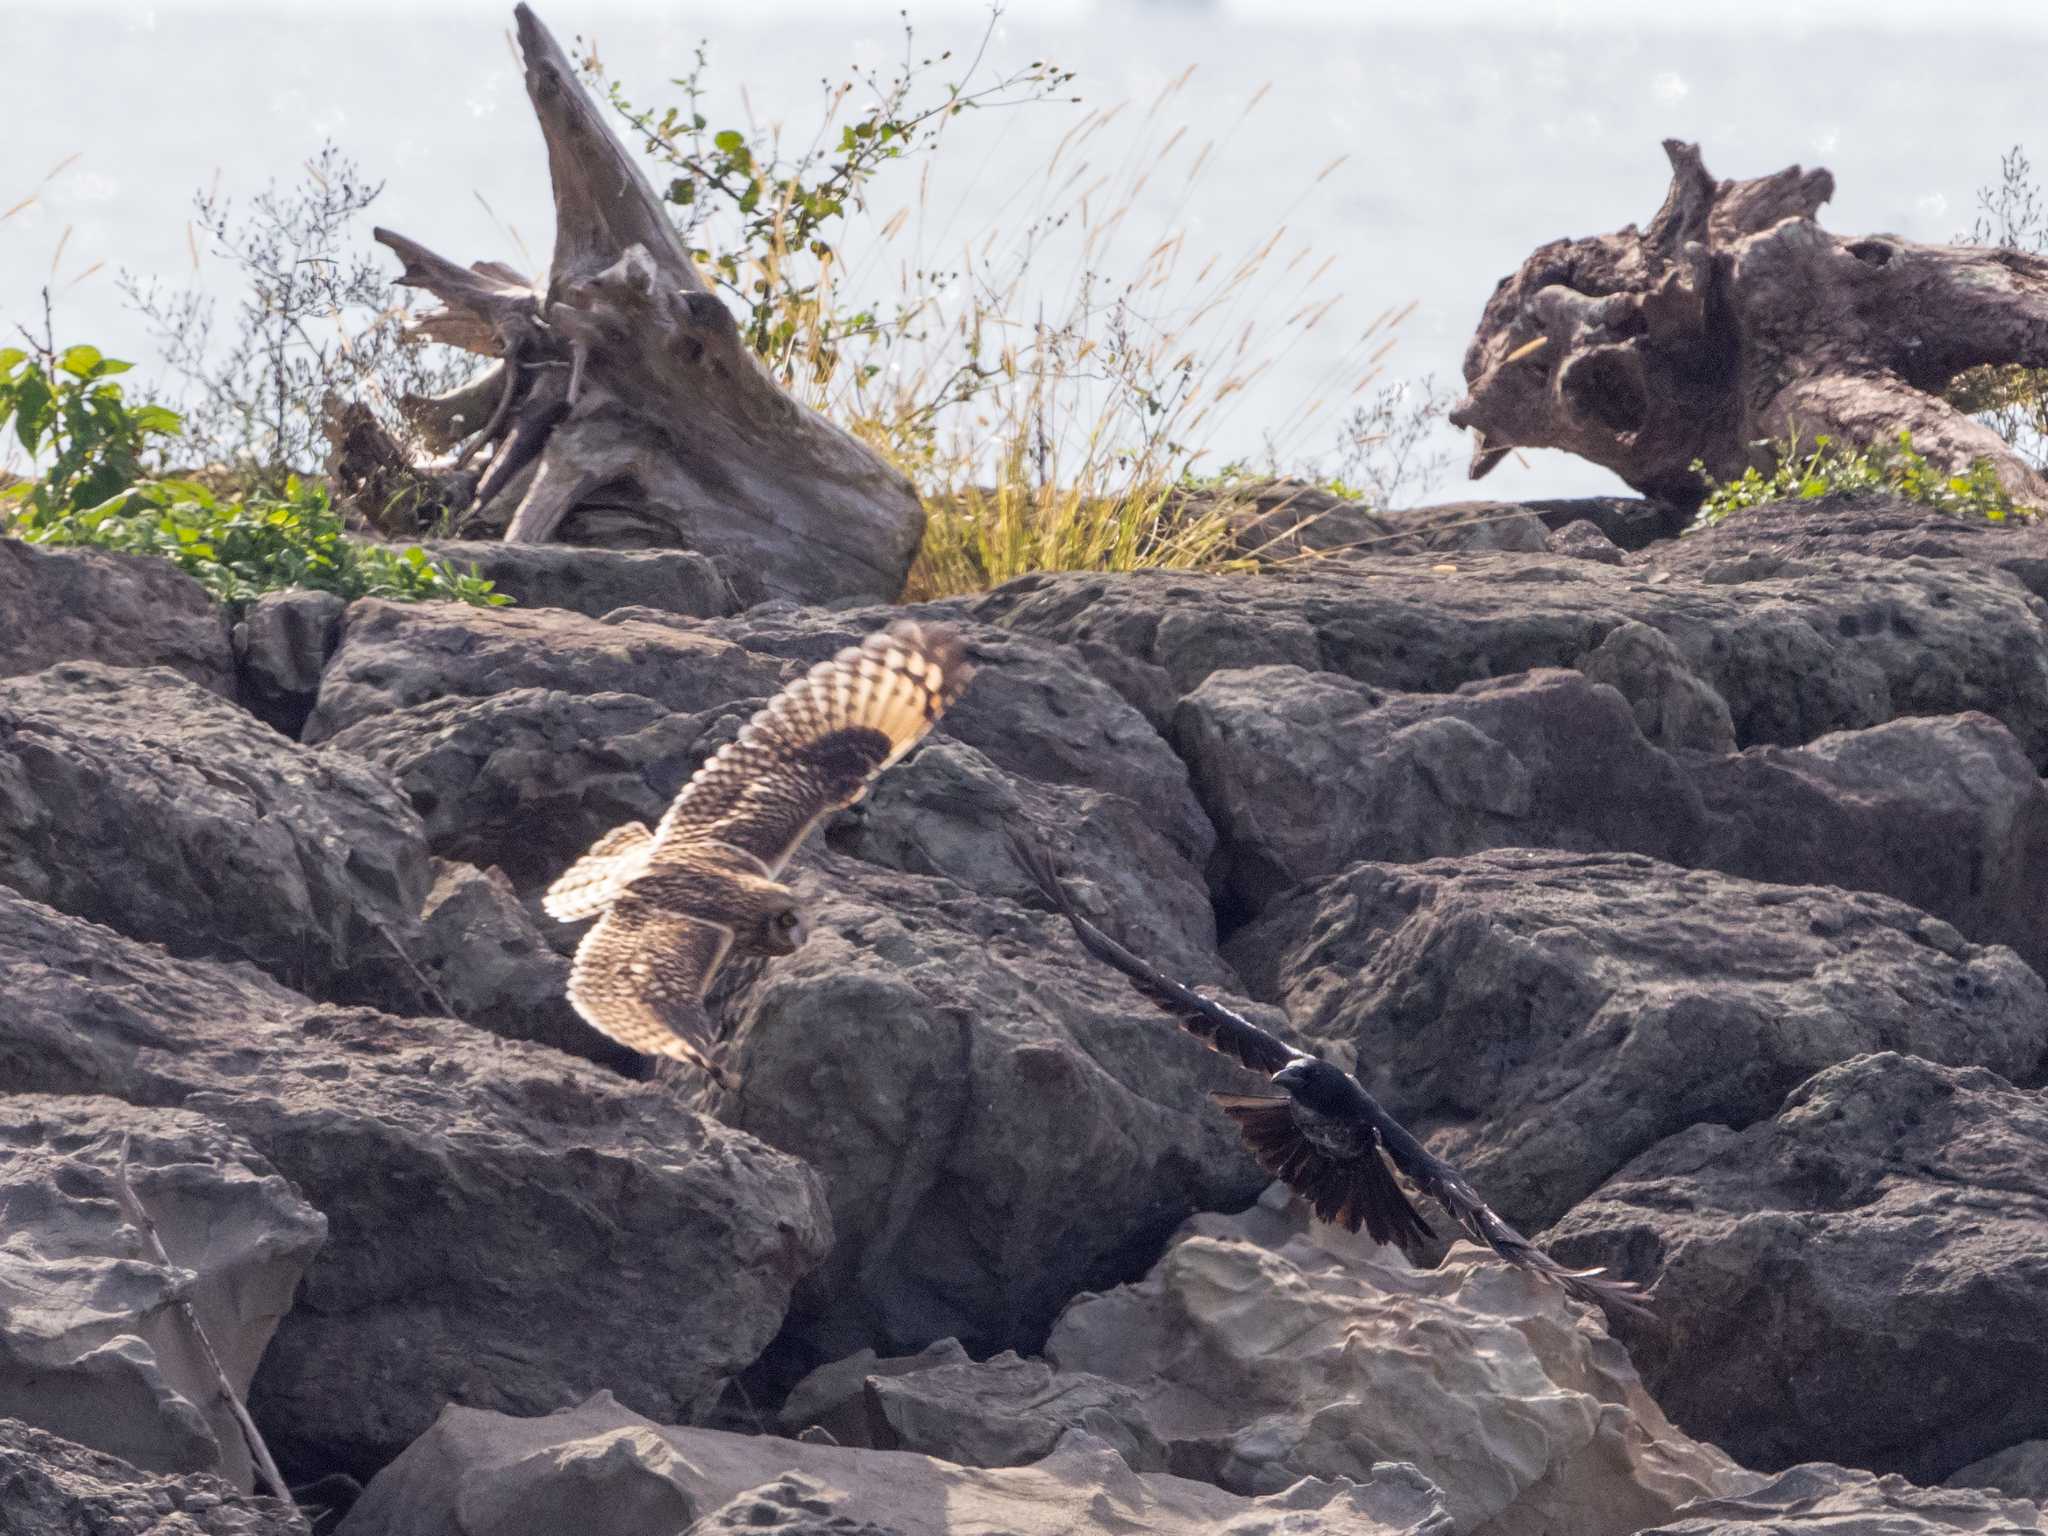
<point>393,656</point>
<point>522,738</point>
<point>2019,1472</point>
<point>1799,537</point>
<point>1945,813</point>
<point>1006,1411</point>
<point>1858,642</point>
<point>1862,1278</point>
<point>500,970</point>
<point>50,1486</point>
<point>507,1226</point>
<point>1841,1501</point>
<point>596,581</point>
<point>1543,1017</point>
<point>1001,1121</point>
<point>282,643</point>
<point>1260,1357</point>
<point>483,1474</point>
<point>138,799</point>
<point>1252,1356</point>
<point>947,810</point>
<point>1304,773</point>
<point>91,1346</point>
<point>526,780</point>
<point>124,610</point>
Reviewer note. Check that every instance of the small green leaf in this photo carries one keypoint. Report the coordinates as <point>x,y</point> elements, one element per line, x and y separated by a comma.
<point>730,140</point>
<point>80,362</point>
<point>157,419</point>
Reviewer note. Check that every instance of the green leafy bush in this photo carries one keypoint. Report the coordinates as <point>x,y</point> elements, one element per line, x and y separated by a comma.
<point>93,490</point>
<point>1893,469</point>
<point>67,403</point>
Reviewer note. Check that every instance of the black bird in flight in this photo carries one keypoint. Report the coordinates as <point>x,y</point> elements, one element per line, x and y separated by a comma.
<point>1327,1138</point>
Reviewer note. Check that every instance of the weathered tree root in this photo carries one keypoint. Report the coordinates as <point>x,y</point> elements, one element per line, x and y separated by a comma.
<point>1734,319</point>
<point>627,410</point>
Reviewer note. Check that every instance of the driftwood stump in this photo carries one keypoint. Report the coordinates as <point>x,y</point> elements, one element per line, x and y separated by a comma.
<point>624,409</point>
<point>1735,318</point>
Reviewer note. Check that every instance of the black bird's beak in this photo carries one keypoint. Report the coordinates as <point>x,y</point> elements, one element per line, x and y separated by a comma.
<point>1290,1076</point>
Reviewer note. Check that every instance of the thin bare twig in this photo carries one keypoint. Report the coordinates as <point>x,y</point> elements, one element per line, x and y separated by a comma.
<point>139,1217</point>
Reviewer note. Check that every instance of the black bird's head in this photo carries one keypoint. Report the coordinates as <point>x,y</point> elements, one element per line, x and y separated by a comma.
<point>1318,1086</point>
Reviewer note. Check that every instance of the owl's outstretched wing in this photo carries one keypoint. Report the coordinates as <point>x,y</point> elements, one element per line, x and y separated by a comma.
<point>640,975</point>
<point>816,746</point>
<point>594,881</point>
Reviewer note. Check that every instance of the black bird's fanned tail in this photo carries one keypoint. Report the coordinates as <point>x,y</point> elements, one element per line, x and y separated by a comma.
<point>1221,1028</point>
<point>1358,1191</point>
<point>1449,1189</point>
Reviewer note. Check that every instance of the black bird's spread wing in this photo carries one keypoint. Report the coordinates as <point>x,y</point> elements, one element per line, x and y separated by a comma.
<point>1208,1020</point>
<point>1351,1191</point>
<point>1449,1189</point>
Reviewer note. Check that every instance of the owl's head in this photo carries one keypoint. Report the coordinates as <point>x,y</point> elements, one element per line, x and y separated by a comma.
<point>781,924</point>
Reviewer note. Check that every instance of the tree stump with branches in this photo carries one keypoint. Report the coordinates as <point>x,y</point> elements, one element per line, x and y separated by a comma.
<point>1734,319</point>
<point>624,409</point>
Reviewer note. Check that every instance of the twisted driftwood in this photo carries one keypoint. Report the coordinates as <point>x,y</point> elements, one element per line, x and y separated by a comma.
<point>624,409</point>
<point>1735,318</point>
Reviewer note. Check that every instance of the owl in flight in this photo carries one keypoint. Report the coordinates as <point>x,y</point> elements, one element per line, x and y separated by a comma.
<point>677,900</point>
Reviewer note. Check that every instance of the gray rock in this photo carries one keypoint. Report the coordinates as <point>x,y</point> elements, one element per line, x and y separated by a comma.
<point>484,1474</point>
<point>1455,527</point>
<point>281,646</point>
<point>1003,1412</point>
<point>1945,813</point>
<point>792,1505</point>
<point>1543,1017</point>
<point>1257,1361</point>
<point>1045,1127</point>
<point>1863,1278</point>
<point>91,1347</point>
<point>1841,1501</point>
<point>507,1226</point>
<point>1033,709</point>
<point>495,965</point>
<point>1287,519</point>
<point>2019,1472</point>
<point>526,780</point>
<point>946,810</point>
<point>125,610</point>
<point>141,800</point>
<point>833,1398</point>
<point>1859,642</point>
<point>396,655</point>
<point>1675,708</point>
<point>1304,773</point>
<point>596,581</point>
<point>1584,540</point>
<point>54,1487</point>
<point>1800,536</point>
<point>1632,522</point>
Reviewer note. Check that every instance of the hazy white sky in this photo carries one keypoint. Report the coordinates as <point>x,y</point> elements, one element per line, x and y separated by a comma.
<point>1474,130</point>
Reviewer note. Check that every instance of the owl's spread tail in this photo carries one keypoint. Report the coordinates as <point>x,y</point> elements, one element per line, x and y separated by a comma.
<point>594,881</point>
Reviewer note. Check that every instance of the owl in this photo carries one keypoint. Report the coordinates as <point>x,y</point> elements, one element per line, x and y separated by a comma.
<point>674,902</point>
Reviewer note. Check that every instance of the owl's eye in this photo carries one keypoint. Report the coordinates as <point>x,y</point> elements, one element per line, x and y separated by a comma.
<point>785,920</point>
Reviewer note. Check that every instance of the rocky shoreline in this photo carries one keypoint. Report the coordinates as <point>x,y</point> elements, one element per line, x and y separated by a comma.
<point>1686,892</point>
